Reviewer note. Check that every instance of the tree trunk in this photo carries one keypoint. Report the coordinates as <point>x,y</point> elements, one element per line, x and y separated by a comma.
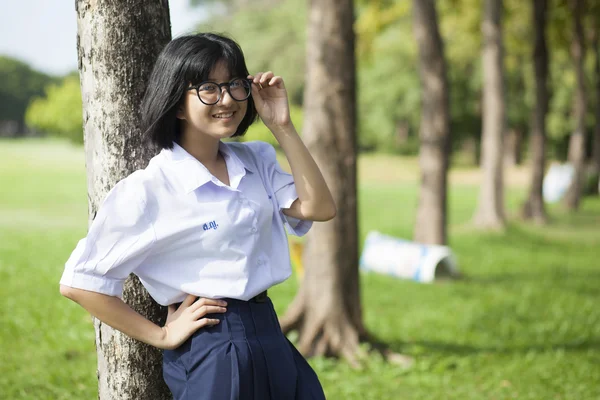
<point>534,205</point>
<point>430,226</point>
<point>596,148</point>
<point>326,311</point>
<point>402,133</point>
<point>118,43</point>
<point>576,154</point>
<point>513,147</point>
<point>490,211</point>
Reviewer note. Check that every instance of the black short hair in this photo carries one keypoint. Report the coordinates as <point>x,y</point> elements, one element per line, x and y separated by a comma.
<point>187,60</point>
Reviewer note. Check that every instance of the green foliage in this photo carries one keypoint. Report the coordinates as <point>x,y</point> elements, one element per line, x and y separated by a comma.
<point>258,131</point>
<point>60,112</point>
<point>272,39</point>
<point>18,85</point>
<point>389,90</point>
<point>523,324</point>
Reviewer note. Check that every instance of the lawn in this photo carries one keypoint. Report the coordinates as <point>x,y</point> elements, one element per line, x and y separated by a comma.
<point>524,323</point>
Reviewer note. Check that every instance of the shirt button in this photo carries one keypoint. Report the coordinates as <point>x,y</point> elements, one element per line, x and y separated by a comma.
<point>240,201</point>
<point>253,230</point>
<point>260,262</point>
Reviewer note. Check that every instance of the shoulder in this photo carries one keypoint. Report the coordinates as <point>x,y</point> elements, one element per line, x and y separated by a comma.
<point>133,192</point>
<point>256,151</point>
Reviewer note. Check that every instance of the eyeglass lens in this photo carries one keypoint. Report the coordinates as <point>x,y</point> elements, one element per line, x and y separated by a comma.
<point>210,92</point>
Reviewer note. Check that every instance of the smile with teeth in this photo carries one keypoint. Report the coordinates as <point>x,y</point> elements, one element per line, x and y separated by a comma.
<point>224,115</point>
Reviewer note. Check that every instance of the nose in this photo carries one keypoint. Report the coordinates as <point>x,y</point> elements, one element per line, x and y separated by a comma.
<point>226,97</point>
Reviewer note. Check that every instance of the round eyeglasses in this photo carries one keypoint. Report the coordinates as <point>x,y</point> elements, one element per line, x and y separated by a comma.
<point>210,93</point>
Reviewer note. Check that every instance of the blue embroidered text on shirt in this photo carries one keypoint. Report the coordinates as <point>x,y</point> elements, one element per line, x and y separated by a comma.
<point>210,225</point>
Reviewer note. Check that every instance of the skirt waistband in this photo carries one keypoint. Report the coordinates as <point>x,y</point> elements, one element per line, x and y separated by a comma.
<point>259,298</point>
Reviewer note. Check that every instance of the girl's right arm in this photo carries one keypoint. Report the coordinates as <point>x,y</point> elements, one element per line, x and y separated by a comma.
<point>180,325</point>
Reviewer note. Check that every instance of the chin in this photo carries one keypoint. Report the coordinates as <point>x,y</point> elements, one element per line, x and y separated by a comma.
<point>222,134</point>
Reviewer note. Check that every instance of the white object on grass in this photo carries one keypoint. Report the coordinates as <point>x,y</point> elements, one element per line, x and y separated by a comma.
<point>405,259</point>
<point>557,181</point>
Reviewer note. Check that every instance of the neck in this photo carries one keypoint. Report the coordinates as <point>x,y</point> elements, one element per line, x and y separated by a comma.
<point>204,149</point>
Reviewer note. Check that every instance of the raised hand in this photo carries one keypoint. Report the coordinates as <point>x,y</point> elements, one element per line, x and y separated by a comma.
<point>271,100</point>
<point>191,315</point>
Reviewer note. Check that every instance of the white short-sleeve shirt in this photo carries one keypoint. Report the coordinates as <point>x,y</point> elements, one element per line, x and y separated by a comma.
<point>182,231</point>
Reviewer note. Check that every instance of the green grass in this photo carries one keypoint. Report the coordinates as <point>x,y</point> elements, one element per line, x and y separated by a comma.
<point>524,323</point>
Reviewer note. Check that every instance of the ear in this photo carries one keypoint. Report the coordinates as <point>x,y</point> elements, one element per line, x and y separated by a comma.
<point>180,113</point>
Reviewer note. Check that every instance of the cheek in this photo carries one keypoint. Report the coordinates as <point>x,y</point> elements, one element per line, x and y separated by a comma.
<point>202,113</point>
<point>243,110</point>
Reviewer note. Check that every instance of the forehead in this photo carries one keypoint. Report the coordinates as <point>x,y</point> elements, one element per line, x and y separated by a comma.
<point>221,72</point>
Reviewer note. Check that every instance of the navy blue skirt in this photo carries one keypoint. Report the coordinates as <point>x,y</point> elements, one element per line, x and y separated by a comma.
<point>244,357</point>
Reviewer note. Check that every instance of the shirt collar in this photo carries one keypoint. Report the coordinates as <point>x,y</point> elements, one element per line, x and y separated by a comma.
<point>193,174</point>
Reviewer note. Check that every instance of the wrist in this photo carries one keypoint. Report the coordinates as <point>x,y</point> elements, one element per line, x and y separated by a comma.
<point>283,130</point>
<point>158,338</point>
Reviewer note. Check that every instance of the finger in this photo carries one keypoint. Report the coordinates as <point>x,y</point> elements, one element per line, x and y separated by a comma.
<point>276,80</point>
<point>189,300</point>
<point>205,301</point>
<point>256,95</point>
<point>205,310</point>
<point>265,77</point>
<point>171,309</point>
<point>255,88</point>
<point>206,322</point>
<point>257,77</point>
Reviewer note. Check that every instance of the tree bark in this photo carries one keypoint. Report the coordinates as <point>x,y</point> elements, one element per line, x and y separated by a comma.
<point>596,52</point>
<point>117,45</point>
<point>490,211</point>
<point>431,221</point>
<point>513,146</point>
<point>534,205</point>
<point>327,311</point>
<point>576,154</point>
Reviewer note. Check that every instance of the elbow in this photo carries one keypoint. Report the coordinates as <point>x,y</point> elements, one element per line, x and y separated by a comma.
<point>325,213</point>
<point>67,292</point>
<point>314,211</point>
<point>331,212</point>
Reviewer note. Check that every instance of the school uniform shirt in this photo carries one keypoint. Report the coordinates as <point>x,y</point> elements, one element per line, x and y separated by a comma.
<point>182,231</point>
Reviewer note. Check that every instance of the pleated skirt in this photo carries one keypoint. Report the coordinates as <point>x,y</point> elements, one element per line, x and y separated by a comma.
<point>244,357</point>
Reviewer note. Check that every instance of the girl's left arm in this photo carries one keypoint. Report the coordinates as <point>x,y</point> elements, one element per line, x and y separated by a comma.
<point>314,201</point>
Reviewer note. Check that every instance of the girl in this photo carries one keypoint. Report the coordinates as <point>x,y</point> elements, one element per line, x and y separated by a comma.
<point>203,228</point>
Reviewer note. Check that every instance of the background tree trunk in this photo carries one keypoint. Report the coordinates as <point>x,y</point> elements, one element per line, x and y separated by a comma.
<point>596,52</point>
<point>117,44</point>
<point>576,154</point>
<point>490,211</point>
<point>430,226</point>
<point>513,146</point>
<point>326,311</point>
<point>534,205</point>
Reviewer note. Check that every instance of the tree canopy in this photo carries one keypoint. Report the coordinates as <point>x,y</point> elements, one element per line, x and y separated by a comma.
<point>60,111</point>
<point>20,84</point>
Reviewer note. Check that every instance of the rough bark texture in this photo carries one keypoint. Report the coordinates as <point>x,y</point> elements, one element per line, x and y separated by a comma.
<point>490,211</point>
<point>117,44</point>
<point>430,226</point>
<point>576,154</point>
<point>326,311</point>
<point>534,205</point>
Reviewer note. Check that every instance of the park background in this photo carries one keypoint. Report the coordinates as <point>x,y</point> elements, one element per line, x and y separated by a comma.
<point>522,321</point>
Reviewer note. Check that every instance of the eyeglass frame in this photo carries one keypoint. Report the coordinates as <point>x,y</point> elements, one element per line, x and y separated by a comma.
<point>225,85</point>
